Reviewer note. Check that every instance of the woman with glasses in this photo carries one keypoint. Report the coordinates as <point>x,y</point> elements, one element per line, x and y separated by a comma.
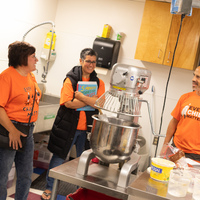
<point>70,125</point>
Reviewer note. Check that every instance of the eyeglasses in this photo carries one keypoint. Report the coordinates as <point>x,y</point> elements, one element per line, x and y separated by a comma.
<point>34,56</point>
<point>90,62</point>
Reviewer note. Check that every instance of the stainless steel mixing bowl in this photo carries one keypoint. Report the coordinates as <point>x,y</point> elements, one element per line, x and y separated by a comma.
<point>113,140</point>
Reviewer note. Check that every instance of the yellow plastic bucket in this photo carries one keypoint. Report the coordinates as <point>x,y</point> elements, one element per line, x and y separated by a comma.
<point>160,169</point>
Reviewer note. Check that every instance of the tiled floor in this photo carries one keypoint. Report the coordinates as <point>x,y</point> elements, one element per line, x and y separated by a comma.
<point>11,190</point>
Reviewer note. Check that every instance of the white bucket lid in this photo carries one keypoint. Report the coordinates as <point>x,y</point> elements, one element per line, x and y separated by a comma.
<point>163,162</point>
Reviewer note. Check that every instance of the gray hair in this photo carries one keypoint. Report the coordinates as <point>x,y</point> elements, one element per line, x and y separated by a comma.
<point>87,52</point>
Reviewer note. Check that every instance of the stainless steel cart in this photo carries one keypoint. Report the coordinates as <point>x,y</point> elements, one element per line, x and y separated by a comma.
<point>104,179</point>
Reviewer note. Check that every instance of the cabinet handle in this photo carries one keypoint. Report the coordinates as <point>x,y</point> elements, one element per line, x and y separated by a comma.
<point>159,53</point>
<point>168,56</point>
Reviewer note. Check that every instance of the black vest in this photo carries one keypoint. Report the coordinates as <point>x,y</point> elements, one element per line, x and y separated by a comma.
<point>65,124</point>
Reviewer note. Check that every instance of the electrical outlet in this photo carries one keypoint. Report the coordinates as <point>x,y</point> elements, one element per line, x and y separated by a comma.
<point>155,140</point>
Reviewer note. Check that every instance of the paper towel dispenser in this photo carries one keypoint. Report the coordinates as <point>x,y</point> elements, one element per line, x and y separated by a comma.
<point>107,51</point>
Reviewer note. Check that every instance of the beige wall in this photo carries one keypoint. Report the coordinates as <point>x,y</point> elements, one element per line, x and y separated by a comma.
<point>78,22</point>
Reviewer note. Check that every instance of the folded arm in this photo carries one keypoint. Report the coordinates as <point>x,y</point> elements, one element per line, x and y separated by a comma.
<point>81,100</point>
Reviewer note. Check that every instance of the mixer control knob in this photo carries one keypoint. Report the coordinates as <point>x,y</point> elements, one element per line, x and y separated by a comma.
<point>125,74</point>
<point>140,92</point>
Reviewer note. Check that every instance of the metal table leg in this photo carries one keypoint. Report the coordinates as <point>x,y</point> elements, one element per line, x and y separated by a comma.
<point>84,160</point>
<point>126,170</point>
<point>54,190</point>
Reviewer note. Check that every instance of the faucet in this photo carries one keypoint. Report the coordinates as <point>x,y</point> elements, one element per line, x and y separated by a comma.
<point>44,74</point>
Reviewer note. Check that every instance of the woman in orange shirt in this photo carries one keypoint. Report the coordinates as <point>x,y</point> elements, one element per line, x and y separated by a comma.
<point>18,88</point>
<point>70,125</point>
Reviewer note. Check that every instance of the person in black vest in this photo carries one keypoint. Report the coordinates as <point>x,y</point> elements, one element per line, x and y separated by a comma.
<point>70,125</point>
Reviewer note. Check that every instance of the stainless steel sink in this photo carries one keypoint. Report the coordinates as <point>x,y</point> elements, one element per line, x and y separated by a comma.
<point>48,108</point>
<point>49,99</point>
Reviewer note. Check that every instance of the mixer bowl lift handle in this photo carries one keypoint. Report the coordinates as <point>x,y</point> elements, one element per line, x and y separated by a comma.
<point>150,118</point>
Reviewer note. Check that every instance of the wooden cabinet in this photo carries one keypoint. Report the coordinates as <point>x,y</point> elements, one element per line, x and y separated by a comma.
<point>158,36</point>
<point>187,52</point>
<point>154,32</point>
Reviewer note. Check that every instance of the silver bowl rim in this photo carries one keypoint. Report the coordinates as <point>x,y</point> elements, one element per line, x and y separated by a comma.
<point>137,126</point>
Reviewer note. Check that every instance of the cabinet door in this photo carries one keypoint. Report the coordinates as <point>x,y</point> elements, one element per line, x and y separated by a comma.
<point>187,52</point>
<point>154,32</point>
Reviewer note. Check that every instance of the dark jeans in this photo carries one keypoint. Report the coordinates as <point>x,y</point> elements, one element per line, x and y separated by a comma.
<point>79,141</point>
<point>24,169</point>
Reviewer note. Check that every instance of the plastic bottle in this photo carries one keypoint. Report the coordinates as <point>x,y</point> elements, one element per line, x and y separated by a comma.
<point>106,31</point>
<point>48,40</point>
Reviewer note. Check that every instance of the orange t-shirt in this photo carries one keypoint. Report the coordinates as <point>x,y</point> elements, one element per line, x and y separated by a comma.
<point>187,112</point>
<point>67,94</point>
<point>16,95</point>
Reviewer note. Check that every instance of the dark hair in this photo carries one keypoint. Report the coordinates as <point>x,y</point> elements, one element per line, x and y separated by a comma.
<point>18,53</point>
<point>87,52</point>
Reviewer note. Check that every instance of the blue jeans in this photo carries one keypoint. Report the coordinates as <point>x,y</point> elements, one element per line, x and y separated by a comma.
<point>79,141</point>
<point>24,169</point>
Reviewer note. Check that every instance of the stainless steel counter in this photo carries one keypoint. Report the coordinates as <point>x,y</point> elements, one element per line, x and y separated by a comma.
<point>147,188</point>
<point>99,178</point>
<point>104,179</point>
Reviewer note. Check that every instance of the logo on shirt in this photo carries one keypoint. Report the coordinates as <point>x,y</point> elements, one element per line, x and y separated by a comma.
<point>191,112</point>
<point>29,101</point>
<point>184,111</point>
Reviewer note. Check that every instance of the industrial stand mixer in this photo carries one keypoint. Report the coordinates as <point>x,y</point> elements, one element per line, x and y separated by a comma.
<point>113,138</point>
